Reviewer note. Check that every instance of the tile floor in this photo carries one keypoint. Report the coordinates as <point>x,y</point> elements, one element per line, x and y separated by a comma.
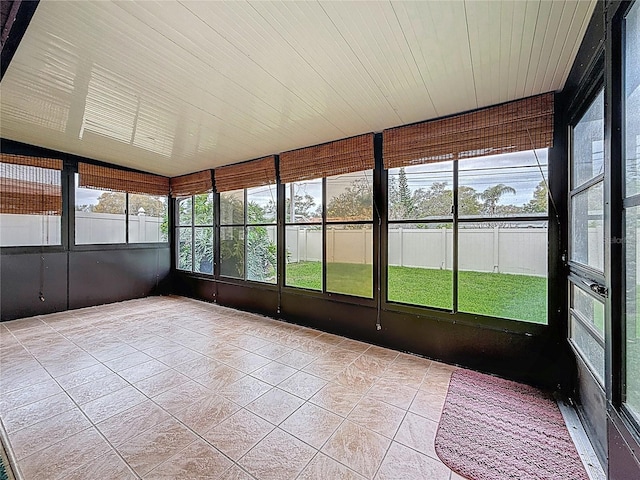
<point>168,387</point>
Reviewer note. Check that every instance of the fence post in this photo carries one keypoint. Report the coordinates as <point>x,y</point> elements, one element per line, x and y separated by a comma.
<point>306,244</point>
<point>401,242</point>
<point>496,249</point>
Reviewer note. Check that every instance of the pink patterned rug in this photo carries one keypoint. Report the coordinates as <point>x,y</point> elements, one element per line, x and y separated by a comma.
<point>494,429</point>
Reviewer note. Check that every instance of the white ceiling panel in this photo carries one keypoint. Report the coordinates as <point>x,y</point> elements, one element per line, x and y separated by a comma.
<point>174,87</point>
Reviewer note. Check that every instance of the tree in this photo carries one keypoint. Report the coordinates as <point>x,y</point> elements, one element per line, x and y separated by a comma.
<point>433,202</point>
<point>492,195</point>
<point>303,208</point>
<point>114,202</point>
<point>354,203</point>
<point>401,202</point>
<point>468,201</point>
<point>539,202</point>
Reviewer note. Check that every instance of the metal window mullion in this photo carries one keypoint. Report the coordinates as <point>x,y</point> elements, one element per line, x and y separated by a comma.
<point>324,235</point>
<point>454,305</point>
<point>193,233</point>
<point>246,236</point>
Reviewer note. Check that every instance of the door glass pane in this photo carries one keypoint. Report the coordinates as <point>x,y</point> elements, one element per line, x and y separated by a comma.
<point>184,249</point>
<point>261,204</point>
<point>350,259</point>
<point>421,264</point>
<point>632,101</point>
<point>632,306</point>
<point>203,208</point>
<point>591,350</point>
<point>232,207</point>
<point>503,270</point>
<point>232,252</point>
<point>503,185</point>
<point>350,197</point>
<point>184,211</point>
<point>261,254</point>
<point>587,227</point>
<point>203,245</point>
<point>304,256</point>
<point>307,201</point>
<point>588,144</point>
<point>420,191</point>
<point>589,308</point>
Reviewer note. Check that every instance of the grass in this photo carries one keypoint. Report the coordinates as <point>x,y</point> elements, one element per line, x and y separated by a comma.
<point>518,297</point>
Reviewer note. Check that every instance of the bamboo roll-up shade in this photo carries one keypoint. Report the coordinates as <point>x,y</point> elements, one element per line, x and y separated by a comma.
<point>246,174</point>
<point>353,154</point>
<point>115,180</point>
<point>30,185</point>
<point>520,125</point>
<point>191,184</point>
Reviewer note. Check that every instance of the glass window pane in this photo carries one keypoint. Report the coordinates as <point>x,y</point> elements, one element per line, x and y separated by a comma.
<point>304,257</point>
<point>148,220</point>
<point>589,308</point>
<point>100,216</point>
<point>184,249</point>
<point>232,252</point>
<point>503,270</point>
<point>232,207</point>
<point>421,264</point>
<point>261,204</point>
<point>184,211</point>
<point>307,201</point>
<point>261,254</point>
<point>587,227</point>
<point>20,225</point>
<point>588,144</point>
<point>503,185</point>
<point>203,250</point>
<point>590,349</point>
<point>350,259</point>
<point>632,101</point>
<point>421,191</point>
<point>203,204</point>
<point>632,307</point>
<point>350,197</point>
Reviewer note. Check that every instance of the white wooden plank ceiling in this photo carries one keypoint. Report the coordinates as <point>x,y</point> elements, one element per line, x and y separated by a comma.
<point>176,87</point>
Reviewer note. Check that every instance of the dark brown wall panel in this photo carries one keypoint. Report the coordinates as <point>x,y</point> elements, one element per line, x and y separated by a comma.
<point>106,276</point>
<point>624,454</point>
<point>20,284</point>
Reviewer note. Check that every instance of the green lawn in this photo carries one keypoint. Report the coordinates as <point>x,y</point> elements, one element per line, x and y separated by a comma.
<point>518,297</point>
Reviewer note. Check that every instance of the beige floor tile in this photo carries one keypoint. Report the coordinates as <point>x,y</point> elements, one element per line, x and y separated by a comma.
<point>354,378</point>
<point>111,351</point>
<point>303,385</point>
<point>418,433</point>
<point>127,361</point>
<point>428,404</point>
<point>236,473</point>
<point>312,424</point>
<point>29,394</point>
<point>177,398</point>
<point>132,422</point>
<point>323,467</point>
<point>65,456</point>
<point>273,351</point>
<point>105,467</point>
<point>392,392</point>
<point>358,448</point>
<point>98,388</point>
<point>273,373</point>
<point>197,367</point>
<point>177,356</point>
<point>336,398</point>
<point>278,456</point>
<point>275,405</point>
<point>219,377</point>
<point>157,384</point>
<point>353,345</point>
<point>146,451</point>
<point>402,463</point>
<point>296,359</point>
<point>245,390</point>
<point>143,370</point>
<point>116,402</point>
<point>381,353</point>
<point>206,413</point>
<point>86,375</point>
<point>199,461</point>
<point>238,434</point>
<point>247,363</point>
<point>378,416</point>
<point>47,432</point>
<point>371,365</point>
<point>37,411</point>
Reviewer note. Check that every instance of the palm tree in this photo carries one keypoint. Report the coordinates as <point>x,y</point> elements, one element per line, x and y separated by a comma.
<point>492,195</point>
